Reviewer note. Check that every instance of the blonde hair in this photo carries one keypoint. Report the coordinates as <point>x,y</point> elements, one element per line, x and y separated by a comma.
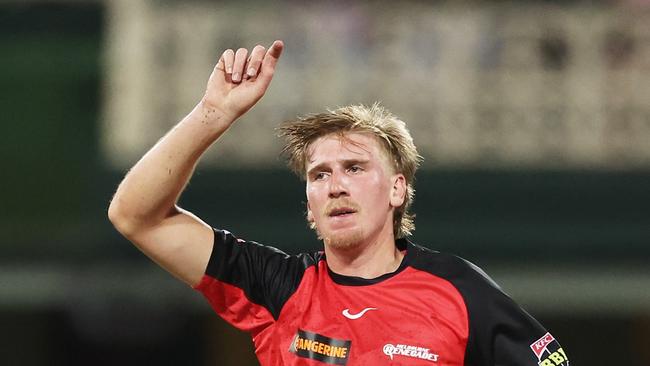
<point>376,120</point>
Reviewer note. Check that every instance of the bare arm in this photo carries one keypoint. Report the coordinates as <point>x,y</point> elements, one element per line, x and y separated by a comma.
<point>144,207</point>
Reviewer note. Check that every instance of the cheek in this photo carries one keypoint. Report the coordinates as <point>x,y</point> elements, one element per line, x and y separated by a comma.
<point>378,185</point>
<point>374,192</point>
<point>310,191</point>
<point>313,194</point>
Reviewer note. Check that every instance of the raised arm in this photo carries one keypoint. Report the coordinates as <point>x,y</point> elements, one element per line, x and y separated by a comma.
<point>144,207</point>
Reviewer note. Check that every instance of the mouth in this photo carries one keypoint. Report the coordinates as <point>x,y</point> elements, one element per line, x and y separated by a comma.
<point>341,212</point>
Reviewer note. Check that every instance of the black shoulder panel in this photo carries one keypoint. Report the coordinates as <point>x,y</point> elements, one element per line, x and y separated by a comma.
<point>500,331</point>
<point>267,275</point>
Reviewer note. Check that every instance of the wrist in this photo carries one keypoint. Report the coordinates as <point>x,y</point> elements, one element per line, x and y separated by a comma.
<point>211,115</point>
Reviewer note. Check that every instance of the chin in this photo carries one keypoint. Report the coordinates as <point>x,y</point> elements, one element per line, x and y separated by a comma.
<point>346,239</point>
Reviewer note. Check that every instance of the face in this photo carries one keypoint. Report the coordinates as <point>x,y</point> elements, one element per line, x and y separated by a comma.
<point>351,189</point>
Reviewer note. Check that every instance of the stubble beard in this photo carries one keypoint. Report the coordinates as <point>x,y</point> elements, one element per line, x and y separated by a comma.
<point>347,240</point>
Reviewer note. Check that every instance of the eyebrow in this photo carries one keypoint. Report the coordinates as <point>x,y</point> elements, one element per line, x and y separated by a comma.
<point>346,162</point>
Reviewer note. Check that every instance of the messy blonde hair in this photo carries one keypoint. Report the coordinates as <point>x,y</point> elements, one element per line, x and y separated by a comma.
<point>376,120</point>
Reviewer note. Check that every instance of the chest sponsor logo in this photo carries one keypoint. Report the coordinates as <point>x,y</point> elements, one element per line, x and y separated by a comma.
<point>319,347</point>
<point>346,313</point>
<point>548,352</point>
<point>410,351</point>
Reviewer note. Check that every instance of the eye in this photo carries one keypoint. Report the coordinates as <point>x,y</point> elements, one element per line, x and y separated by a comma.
<point>355,169</point>
<point>320,176</point>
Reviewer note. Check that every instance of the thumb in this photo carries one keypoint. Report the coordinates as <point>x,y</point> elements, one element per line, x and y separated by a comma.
<point>270,60</point>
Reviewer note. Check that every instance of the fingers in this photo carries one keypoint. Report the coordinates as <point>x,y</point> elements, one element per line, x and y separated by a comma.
<point>220,65</point>
<point>255,61</point>
<point>228,60</point>
<point>238,65</point>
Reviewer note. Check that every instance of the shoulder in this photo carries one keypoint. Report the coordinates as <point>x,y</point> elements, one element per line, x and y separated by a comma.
<point>462,273</point>
<point>232,255</point>
<point>266,275</point>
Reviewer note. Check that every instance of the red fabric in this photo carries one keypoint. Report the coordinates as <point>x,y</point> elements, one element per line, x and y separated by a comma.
<point>231,304</point>
<point>413,309</point>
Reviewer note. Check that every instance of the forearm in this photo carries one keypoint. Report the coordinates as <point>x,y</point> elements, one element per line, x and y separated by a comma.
<point>148,193</point>
<point>150,190</point>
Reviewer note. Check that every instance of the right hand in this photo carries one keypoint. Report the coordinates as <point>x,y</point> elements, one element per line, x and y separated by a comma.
<point>238,82</point>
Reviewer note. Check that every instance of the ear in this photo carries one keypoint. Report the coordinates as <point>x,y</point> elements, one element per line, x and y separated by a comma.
<point>398,191</point>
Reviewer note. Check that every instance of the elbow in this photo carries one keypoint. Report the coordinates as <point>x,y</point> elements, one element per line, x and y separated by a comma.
<point>121,220</point>
<point>129,220</point>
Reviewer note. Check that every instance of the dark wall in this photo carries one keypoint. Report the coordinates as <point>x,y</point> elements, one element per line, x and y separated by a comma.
<point>49,102</point>
<point>56,190</point>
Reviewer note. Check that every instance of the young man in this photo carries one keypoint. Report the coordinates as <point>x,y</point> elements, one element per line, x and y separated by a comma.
<point>371,297</point>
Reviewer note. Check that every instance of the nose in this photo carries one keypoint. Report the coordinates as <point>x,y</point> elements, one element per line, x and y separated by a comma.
<point>337,186</point>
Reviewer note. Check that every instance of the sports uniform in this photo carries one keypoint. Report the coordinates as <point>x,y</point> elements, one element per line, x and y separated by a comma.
<point>435,309</point>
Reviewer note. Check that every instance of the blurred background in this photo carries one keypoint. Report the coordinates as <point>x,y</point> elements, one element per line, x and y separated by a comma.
<point>533,118</point>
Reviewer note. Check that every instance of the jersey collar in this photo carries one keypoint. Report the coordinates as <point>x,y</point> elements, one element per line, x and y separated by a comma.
<point>402,244</point>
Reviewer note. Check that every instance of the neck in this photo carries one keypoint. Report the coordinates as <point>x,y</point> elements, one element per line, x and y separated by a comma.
<point>369,259</point>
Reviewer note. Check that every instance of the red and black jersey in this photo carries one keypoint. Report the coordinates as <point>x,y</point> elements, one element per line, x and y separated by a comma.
<point>435,309</point>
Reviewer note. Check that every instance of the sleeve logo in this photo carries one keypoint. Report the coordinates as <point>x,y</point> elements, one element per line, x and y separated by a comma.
<point>321,348</point>
<point>549,352</point>
<point>540,345</point>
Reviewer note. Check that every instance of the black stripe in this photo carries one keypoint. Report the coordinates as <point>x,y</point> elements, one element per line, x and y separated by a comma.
<point>267,275</point>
